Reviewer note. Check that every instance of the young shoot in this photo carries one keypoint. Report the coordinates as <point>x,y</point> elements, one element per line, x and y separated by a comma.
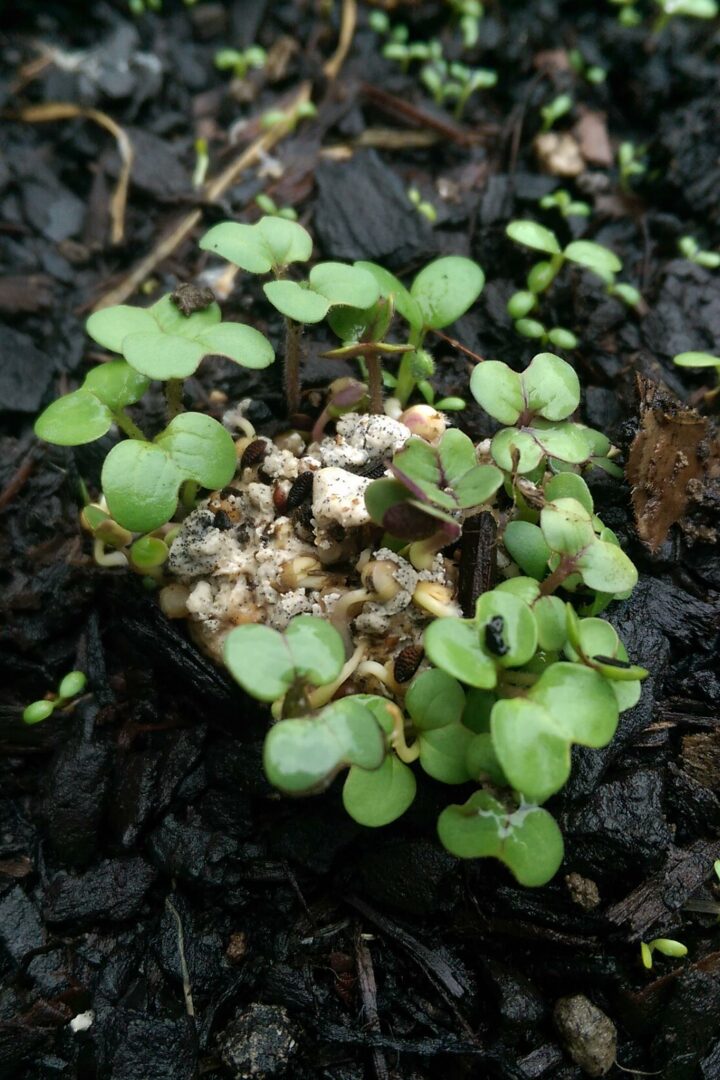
<point>469,14</point>
<point>603,262</point>
<point>563,201</point>
<point>693,9</point>
<point>555,110</point>
<point>454,82</point>
<point>691,250</point>
<point>665,946</point>
<point>239,62</point>
<point>422,206</point>
<point>628,14</point>
<point>271,208</point>
<point>699,360</point>
<point>593,73</point>
<point>71,686</point>
<point>630,164</point>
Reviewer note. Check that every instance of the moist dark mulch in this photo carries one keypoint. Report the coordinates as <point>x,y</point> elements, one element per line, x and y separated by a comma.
<point>148,874</point>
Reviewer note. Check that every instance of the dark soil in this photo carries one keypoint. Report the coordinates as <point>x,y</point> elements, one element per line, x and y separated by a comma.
<point>147,872</point>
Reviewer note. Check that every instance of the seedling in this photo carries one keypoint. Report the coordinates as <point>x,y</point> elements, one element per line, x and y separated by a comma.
<point>555,110</point>
<point>700,360</point>
<point>591,72</point>
<point>422,206</point>
<point>694,9</point>
<point>455,82</point>
<point>541,276</point>
<point>691,250</point>
<point>239,62</point>
<point>70,687</point>
<point>665,946</point>
<point>271,208</point>
<point>628,15</point>
<point>469,13</point>
<point>630,164</point>
<point>563,201</point>
<point>202,163</point>
<point>305,110</point>
<point>142,478</point>
<point>430,486</point>
<point>439,295</point>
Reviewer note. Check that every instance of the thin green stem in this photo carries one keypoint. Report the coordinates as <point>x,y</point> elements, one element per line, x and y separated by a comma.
<point>129,426</point>
<point>173,397</point>
<point>293,331</point>
<point>375,382</point>
<point>188,493</point>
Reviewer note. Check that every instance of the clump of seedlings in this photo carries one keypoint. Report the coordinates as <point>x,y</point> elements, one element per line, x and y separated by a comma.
<point>600,260</point>
<point>143,478</point>
<point>325,567</point>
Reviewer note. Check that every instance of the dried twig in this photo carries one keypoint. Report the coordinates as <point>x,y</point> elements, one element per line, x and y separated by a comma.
<point>212,191</point>
<point>348,20</point>
<point>65,110</point>
<point>368,992</point>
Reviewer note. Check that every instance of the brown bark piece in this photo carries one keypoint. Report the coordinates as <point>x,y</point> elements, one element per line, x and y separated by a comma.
<point>667,455</point>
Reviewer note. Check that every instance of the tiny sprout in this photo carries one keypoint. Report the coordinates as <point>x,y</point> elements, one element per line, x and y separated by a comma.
<point>628,15</point>
<point>470,12</point>
<point>592,72</point>
<point>270,207</point>
<point>455,82</point>
<point>630,164</point>
<point>562,200</point>
<point>716,868</point>
<point>690,248</point>
<point>554,110</point>
<point>695,9</point>
<point>379,22</point>
<point>700,360</point>
<point>422,206</point>
<point>202,163</point>
<point>240,62</point>
<point>665,946</point>
<point>70,686</point>
<point>292,117</point>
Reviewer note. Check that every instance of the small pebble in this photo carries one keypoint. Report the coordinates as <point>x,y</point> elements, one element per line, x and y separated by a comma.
<point>590,1036</point>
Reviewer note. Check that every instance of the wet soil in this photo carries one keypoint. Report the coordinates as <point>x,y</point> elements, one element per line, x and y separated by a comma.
<point>152,885</point>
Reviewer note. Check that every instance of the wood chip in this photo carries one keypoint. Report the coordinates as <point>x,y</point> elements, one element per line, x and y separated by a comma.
<point>666,455</point>
<point>592,136</point>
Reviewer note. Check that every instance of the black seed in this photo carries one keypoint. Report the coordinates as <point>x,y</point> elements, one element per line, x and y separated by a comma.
<point>302,518</point>
<point>494,642</point>
<point>373,471</point>
<point>612,661</point>
<point>222,520</point>
<point>191,298</point>
<point>254,453</point>
<point>407,662</point>
<point>300,491</point>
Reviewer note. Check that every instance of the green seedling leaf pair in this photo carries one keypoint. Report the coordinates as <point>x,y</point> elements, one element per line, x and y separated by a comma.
<point>575,546</point>
<point>535,401</point>
<point>430,486</point>
<point>141,479</point>
<point>70,687</point>
<point>270,245</point>
<point>502,635</point>
<point>303,754</point>
<point>160,342</point>
<point>584,253</point>
<point>88,413</point>
<point>595,257</point>
<point>527,840</point>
